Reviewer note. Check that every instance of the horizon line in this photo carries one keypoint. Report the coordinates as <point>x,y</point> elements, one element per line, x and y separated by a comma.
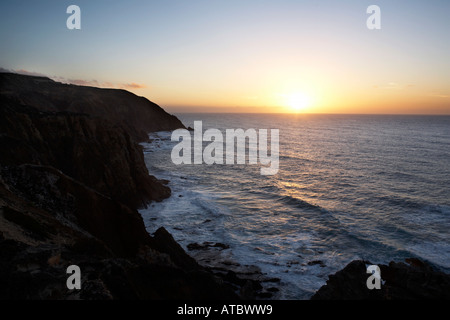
<point>316,113</point>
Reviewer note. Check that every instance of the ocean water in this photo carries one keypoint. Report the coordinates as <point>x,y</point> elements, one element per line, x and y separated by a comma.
<point>349,187</point>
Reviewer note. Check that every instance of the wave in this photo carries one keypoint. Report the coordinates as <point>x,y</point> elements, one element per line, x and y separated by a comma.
<point>437,253</point>
<point>301,204</point>
<point>398,201</point>
<point>207,205</point>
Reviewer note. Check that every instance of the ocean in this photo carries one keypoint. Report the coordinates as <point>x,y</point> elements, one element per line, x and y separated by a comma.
<point>372,187</point>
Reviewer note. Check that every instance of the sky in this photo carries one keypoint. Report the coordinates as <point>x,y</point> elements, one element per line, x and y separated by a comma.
<point>312,56</point>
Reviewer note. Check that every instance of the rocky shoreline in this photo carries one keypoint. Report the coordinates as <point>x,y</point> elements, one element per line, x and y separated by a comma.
<point>72,176</point>
<point>410,280</point>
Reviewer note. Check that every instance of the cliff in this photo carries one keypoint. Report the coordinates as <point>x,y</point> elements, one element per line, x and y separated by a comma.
<point>136,114</point>
<point>98,153</point>
<point>71,178</point>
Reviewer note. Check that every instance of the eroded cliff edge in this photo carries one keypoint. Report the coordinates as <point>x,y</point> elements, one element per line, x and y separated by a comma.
<point>72,177</point>
<point>135,114</point>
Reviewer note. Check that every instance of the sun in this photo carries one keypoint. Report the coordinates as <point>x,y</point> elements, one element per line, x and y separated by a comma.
<point>298,101</point>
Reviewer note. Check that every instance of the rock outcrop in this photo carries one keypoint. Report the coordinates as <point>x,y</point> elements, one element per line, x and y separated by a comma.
<point>412,280</point>
<point>71,178</point>
<point>94,151</point>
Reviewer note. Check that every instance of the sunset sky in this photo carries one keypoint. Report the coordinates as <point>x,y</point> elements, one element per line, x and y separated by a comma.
<point>242,56</point>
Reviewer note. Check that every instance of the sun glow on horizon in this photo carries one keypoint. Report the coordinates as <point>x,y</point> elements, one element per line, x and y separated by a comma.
<point>298,102</point>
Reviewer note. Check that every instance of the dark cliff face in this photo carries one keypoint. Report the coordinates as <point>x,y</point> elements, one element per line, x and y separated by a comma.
<point>97,153</point>
<point>70,184</point>
<point>48,221</point>
<point>136,114</point>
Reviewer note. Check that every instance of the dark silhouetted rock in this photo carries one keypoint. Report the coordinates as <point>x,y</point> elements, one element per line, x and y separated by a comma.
<point>416,280</point>
<point>206,246</point>
<point>118,226</point>
<point>93,151</point>
<point>316,262</point>
<point>164,242</point>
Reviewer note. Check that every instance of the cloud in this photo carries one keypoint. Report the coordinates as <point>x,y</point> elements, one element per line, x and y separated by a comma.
<point>438,95</point>
<point>79,82</point>
<point>394,86</point>
<point>132,86</point>
<point>95,83</point>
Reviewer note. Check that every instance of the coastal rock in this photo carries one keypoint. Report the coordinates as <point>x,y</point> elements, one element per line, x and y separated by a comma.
<point>414,280</point>
<point>164,242</point>
<point>316,262</point>
<point>118,226</point>
<point>247,280</point>
<point>27,275</point>
<point>207,245</point>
